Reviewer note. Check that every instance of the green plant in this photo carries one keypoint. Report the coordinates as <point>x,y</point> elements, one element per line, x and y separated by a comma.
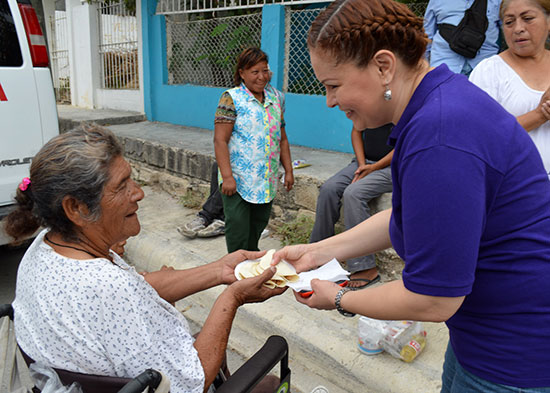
<point>211,55</point>
<point>297,231</point>
<point>191,199</point>
<point>225,58</point>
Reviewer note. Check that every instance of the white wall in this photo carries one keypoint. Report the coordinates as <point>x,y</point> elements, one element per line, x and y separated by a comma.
<point>85,67</point>
<point>126,100</point>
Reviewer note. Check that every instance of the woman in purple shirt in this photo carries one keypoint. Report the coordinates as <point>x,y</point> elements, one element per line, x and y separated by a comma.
<point>471,202</point>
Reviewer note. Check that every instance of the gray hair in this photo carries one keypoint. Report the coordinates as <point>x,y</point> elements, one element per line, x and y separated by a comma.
<point>73,164</point>
<point>543,4</point>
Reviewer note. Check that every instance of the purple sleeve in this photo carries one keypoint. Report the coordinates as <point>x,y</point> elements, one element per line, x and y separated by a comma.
<point>443,214</point>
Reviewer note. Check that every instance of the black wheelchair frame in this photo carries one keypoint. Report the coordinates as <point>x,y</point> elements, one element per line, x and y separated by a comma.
<point>274,350</point>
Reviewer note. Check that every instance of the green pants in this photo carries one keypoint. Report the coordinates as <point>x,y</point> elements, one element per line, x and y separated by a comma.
<point>244,222</point>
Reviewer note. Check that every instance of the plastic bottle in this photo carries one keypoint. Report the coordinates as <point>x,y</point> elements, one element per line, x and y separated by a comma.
<point>413,348</point>
<point>404,340</point>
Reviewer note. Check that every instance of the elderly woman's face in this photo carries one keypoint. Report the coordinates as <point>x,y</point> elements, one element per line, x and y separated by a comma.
<point>121,194</point>
<point>525,27</point>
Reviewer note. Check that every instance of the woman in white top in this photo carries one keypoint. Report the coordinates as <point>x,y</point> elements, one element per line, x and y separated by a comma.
<point>78,306</point>
<point>519,77</point>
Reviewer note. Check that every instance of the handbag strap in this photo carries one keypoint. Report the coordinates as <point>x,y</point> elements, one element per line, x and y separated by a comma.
<point>446,30</point>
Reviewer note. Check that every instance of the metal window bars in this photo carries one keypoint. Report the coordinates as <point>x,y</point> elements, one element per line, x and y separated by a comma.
<point>203,52</point>
<point>59,56</point>
<point>118,46</point>
<point>166,7</point>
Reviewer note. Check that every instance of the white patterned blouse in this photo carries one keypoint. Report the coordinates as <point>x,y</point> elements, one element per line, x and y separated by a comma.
<point>96,317</point>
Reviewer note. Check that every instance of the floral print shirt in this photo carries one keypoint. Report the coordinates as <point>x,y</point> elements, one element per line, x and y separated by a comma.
<point>96,317</point>
<point>255,143</point>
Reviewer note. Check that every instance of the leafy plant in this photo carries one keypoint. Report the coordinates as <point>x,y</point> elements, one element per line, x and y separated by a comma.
<point>297,231</point>
<point>191,199</point>
<point>209,57</point>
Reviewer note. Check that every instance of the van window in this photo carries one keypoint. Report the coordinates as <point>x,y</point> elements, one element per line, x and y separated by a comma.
<point>10,52</point>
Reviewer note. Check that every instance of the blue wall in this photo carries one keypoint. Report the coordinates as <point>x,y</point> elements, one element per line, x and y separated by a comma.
<point>309,121</point>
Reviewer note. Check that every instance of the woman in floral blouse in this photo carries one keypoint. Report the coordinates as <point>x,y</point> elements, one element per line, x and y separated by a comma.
<point>249,142</point>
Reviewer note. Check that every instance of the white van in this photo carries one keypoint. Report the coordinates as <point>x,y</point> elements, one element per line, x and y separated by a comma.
<point>28,112</point>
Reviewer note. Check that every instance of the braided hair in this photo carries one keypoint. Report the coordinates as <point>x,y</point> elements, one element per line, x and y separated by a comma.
<point>354,30</point>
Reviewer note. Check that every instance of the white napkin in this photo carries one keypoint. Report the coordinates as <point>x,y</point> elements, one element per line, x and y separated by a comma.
<point>331,271</point>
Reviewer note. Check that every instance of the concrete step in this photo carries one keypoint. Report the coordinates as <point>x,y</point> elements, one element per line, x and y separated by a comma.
<point>71,116</point>
<point>323,344</point>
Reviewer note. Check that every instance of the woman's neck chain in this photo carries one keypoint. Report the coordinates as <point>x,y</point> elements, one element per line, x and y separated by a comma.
<point>74,248</point>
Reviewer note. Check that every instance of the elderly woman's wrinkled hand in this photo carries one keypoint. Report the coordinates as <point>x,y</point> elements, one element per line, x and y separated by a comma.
<point>253,290</point>
<point>229,262</point>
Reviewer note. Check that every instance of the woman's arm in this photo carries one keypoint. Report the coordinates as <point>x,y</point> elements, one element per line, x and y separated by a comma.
<point>370,236</point>
<point>537,116</point>
<point>391,301</point>
<point>430,27</point>
<point>173,285</point>
<point>286,160</point>
<point>222,134</point>
<point>366,169</point>
<point>358,146</point>
<point>211,342</point>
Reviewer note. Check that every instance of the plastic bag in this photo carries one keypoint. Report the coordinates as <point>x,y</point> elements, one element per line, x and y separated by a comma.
<point>370,332</point>
<point>47,380</point>
<point>404,340</point>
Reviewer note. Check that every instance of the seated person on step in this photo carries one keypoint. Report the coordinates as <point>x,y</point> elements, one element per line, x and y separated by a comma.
<point>210,221</point>
<point>366,177</point>
<point>79,306</point>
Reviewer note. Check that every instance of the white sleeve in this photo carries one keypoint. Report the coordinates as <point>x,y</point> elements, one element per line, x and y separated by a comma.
<point>486,76</point>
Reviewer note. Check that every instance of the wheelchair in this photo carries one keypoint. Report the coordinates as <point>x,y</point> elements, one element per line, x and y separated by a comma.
<point>274,351</point>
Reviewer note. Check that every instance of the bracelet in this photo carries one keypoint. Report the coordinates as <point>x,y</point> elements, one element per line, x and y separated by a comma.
<point>338,299</point>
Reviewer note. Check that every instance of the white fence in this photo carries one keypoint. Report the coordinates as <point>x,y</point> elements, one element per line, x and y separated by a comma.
<point>166,7</point>
<point>59,56</point>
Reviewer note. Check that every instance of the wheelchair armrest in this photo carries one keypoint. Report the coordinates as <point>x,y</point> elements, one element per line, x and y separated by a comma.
<point>6,310</point>
<point>149,378</point>
<point>258,366</point>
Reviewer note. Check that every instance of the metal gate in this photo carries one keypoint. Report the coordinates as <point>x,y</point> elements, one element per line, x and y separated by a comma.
<point>59,55</point>
<point>118,46</point>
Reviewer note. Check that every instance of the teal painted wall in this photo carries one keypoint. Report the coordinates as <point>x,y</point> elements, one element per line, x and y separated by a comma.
<point>309,121</point>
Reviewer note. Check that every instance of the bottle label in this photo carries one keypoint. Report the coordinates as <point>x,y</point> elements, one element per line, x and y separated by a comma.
<point>415,345</point>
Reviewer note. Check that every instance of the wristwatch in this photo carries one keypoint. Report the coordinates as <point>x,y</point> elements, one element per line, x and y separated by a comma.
<point>337,300</point>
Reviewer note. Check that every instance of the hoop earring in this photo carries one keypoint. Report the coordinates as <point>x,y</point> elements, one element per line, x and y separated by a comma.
<point>387,93</point>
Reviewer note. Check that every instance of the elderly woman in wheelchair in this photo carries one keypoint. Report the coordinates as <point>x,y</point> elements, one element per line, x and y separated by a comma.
<point>79,306</point>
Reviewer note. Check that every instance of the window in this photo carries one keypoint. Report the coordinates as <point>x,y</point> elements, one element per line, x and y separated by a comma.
<point>10,51</point>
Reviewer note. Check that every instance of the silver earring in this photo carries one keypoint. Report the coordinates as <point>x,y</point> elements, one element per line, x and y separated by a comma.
<point>387,93</point>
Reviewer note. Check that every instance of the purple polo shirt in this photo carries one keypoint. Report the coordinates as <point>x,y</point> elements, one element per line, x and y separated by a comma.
<point>471,217</point>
